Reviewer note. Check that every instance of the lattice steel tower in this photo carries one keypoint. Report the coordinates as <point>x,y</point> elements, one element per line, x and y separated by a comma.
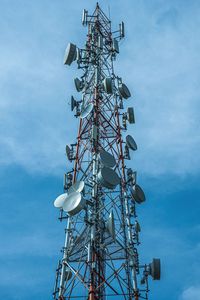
<point>100,256</point>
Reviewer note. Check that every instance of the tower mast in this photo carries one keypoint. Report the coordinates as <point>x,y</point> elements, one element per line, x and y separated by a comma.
<point>100,254</point>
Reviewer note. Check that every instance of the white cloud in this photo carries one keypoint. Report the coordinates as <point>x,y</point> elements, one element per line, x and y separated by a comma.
<point>165,76</point>
<point>191,293</point>
<point>36,122</point>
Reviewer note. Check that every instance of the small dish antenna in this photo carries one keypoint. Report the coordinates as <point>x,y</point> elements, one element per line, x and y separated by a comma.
<point>76,187</point>
<point>110,225</point>
<point>131,143</point>
<point>70,54</point>
<point>155,269</point>
<point>68,274</point>
<point>78,84</point>
<point>107,159</point>
<point>137,226</point>
<point>86,111</point>
<point>124,91</point>
<point>60,200</point>
<point>130,115</point>
<point>107,85</point>
<point>108,178</point>
<point>138,194</point>
<point>74,203</point>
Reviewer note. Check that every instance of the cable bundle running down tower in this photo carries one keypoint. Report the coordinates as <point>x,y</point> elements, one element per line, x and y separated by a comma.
<point>100,256</point>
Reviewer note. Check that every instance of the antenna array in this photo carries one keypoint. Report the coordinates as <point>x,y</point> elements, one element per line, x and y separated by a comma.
<point>100,254</point>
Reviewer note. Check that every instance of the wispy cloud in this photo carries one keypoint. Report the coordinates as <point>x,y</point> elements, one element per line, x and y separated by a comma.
<point>161,53</point>
<point>191,293</point>
<point>159,61</point>
<point>164,78</point>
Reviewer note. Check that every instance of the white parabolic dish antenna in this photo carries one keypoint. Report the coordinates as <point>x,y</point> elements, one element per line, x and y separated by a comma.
<point>108,178</point>
<point>76,187</point>
<point>131,142</point>
<point>107,159</point>
<point>60,200</point>
<point>74,203</point>
<point>70,54</point>
<point>86,111</point>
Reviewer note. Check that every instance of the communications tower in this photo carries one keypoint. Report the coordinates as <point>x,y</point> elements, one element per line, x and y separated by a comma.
<point>100,254</point>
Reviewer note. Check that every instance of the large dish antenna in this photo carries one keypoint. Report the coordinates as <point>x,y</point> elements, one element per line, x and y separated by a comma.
<point>108,178</point>
<point>107,159</point>
<point>86,111</point>
<point>70,54</point>
<point>76,187</point>
<point>60,200</point>
<point>74,203</point>
<point>131,142</point>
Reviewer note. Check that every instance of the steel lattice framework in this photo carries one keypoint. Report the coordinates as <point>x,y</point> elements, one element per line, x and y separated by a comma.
<point>100,256</point>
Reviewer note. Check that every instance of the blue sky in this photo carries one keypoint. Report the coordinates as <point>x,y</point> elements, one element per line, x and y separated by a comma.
<point>159,60</point>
